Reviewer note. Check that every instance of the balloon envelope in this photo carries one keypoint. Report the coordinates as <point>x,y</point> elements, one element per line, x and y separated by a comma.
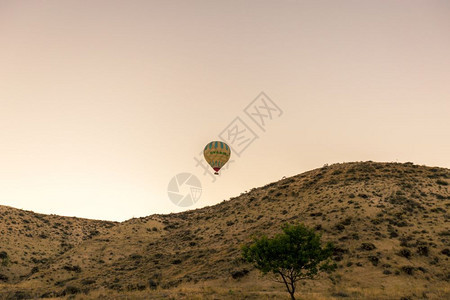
<point>217,154</point>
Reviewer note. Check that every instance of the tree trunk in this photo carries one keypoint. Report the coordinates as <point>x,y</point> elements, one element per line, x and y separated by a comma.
<point>292,289</point>
<point>292,295</point>
<point>287,286</point>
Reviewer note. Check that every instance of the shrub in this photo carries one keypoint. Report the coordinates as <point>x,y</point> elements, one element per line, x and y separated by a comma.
<point>374,260</point>
<point>405,253</point>
<point>136,287</point>
<point>4,258</point>
<point>3,255</point>
<point>422,269</point>
<point>239,274</point>
<point>72,268</point>
<point>152,284</point>
<point>70,290</point>
<point>19,295</point>
<point>338,253</point>
<point>393,234</point>
<point>339,227</point>
<point>408,269</point>
<point>340,294</point>
<point>423,250</point>
<point>347,221</point>
<point>136,256</point>
<point>368,246</point>
<point>229,223</point>
<point>87,281</point>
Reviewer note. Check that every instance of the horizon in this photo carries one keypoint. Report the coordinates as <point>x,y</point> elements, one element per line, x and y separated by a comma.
<point>193,209</point>
<point>103,104</point>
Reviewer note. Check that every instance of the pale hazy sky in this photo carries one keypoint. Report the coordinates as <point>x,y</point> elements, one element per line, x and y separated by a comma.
<point>103,102</point>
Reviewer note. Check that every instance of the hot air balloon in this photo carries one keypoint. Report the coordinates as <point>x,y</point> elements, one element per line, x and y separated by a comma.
<point>217,154</point>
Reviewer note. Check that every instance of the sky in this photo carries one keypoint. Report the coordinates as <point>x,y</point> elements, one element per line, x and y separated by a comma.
<point>102,103</point>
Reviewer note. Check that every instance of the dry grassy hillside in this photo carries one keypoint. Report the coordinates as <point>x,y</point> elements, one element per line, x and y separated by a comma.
<point>389,223</point>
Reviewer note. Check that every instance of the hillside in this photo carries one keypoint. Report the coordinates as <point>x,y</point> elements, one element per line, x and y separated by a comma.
<point>389,222</point>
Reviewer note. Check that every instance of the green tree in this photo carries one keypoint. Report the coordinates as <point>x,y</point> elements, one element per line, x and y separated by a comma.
<point>290,256</point>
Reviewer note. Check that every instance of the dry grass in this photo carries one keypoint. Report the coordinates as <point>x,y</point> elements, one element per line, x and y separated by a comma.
<point>388,221</point>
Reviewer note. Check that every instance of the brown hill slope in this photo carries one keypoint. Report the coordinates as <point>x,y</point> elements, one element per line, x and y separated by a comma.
<point>29,241</point>
<point>389,222</point>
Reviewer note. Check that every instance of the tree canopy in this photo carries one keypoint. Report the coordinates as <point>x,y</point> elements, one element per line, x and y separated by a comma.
<point>293,255</point>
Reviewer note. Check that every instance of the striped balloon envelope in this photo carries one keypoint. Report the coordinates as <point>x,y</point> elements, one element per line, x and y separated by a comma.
<point>217,154</point>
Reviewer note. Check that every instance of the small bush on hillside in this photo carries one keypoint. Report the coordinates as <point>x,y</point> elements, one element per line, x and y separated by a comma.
<point>405,253</point>
<point>368,246</point>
